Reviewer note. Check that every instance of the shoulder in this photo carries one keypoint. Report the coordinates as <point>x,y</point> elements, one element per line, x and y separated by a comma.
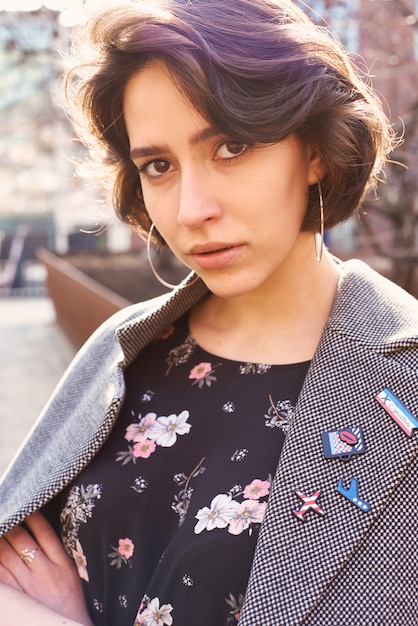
<point>372,309</point>
<point>132,328</point>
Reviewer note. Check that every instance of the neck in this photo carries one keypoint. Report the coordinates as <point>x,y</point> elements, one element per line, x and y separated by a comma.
<point>279,323</point>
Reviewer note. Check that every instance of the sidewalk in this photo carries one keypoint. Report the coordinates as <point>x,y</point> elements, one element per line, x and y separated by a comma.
<point>34,352</point>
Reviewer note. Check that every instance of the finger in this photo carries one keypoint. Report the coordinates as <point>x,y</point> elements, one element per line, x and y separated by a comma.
<point>23,544</point>
<point>12,565</point>
<point>46,537</point>
<point>7,578</point>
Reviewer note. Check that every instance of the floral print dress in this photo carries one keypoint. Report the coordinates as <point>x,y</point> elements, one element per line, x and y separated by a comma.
<point>163,524</point>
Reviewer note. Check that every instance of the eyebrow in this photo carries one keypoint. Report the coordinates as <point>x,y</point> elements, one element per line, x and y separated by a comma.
<point>199,137</point>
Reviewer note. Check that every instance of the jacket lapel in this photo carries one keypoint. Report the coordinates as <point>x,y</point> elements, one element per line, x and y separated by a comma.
<point>297,560</point>
<point>82,411</point>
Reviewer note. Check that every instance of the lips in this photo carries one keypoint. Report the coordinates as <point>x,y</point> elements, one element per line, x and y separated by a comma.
<point>215,255</point>
<point>210,248</point>
<point>218,250</point>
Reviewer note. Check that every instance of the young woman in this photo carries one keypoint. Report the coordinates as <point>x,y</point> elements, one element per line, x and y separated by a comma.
<point>243,448</point>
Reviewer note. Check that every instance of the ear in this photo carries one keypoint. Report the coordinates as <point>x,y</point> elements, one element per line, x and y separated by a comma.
<point>316,167</point>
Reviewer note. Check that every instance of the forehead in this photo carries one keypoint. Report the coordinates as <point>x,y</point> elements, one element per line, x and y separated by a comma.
<point>152,100</point>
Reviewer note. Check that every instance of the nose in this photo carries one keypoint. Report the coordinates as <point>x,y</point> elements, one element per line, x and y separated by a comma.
<point>197,200</point>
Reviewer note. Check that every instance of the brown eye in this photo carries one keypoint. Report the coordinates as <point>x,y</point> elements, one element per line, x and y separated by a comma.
<point>156,168</point>
<point>231,149</point>
<point>234,147</point>
<point>161,167</point>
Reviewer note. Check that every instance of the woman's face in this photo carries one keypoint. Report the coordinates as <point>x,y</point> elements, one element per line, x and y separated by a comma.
<point>229,211</point>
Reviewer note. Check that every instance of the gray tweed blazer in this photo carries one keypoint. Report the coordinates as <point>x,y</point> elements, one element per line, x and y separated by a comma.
<point>350,557</point>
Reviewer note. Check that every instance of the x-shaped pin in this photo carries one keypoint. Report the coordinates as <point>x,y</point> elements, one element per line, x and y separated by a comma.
<point>309,502</point>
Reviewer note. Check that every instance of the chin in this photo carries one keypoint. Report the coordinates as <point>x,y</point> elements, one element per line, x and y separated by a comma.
<point>229,287</point>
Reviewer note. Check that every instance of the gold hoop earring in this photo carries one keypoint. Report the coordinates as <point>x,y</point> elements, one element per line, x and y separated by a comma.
<point>154,271</point>
<point>319,236</point>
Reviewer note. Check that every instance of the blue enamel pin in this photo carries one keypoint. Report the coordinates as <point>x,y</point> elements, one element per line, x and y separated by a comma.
<point>394,407</point>
<point>343,443</point>
<point>352,494</point>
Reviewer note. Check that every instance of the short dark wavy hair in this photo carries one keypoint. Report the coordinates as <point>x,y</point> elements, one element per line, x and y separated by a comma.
<point>259,70</point>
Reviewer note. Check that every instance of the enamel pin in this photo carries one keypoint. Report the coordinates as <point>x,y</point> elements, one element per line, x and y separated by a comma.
<point>309,502</point>
<point>397,411</point>
<point>343,443</point>
<point>352,494</point>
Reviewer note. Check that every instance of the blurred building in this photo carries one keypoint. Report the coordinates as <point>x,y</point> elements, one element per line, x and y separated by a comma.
<point>39,188</point>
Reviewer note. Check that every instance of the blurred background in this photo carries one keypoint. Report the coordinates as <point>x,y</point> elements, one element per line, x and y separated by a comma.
<point>43,204</point>
<point>66,263</point>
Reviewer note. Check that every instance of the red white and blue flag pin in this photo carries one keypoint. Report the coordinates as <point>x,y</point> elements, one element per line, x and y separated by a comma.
<point>394,407</point>
<point>309,503</point>
<point>343,443</point>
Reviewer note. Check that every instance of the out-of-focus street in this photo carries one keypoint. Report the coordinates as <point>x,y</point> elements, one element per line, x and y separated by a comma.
<point>34,353</point>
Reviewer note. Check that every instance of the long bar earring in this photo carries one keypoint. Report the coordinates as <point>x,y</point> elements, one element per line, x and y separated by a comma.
<point>154,271</point>
<point>319,236</point>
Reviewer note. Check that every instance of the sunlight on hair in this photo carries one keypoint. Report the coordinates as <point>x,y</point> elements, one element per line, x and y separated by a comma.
<point>76,12</point>
<point>20,5</point>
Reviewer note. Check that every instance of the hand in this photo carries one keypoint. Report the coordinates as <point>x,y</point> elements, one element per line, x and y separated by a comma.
<point>36,563</point>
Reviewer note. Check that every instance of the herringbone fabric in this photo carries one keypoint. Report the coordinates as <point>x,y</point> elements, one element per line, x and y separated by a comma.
<point>345,568</point>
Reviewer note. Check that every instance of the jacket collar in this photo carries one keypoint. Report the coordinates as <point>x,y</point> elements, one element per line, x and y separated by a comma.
<point>149,320</point>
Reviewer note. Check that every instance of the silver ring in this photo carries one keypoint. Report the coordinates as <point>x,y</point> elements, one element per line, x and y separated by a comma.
<point>27,555</point>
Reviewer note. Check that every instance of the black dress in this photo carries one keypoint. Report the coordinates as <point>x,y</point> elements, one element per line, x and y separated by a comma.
<point>163,523</point>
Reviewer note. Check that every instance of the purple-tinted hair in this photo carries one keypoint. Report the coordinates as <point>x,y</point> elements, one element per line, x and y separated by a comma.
<point>259,70</point>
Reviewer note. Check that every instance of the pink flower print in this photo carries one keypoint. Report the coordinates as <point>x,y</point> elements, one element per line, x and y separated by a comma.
<point>257,489</point>
<point>156,615</point>
<point>222,509</point>
<point>138,431</point>
<point>126,548</point>
<point>200,371</point>
<point>144,449</point>
<point>122,553</point>
<point>249,512</point>
<point>80,561</point>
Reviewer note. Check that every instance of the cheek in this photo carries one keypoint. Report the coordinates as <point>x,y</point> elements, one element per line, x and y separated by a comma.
<point>163,219</point>
<point>160,204</point>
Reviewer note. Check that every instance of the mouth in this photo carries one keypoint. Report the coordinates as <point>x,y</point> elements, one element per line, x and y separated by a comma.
<point>210,249</point>
<point>217,250</point>
<point>215,255</point>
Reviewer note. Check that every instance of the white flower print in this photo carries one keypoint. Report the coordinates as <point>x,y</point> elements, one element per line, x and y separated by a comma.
<point>165,429</point>
<point>225,511</point>
<point>181,354</point>
<point>147,396</point>
<point>254,368</point>
<point>222,510</point>
<point>248,512</point>
<point>98,606</point>
<point>154,615</point>
<point>279,415</point>
<point>78,510</point>
<point>140,484</point>
<point>123,601</point>
<point>187,580</point>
